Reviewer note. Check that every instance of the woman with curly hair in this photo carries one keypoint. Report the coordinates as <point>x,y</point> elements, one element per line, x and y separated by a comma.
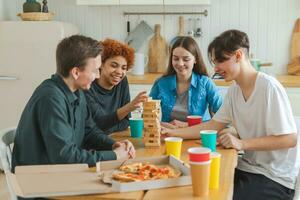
<point>108,97</point>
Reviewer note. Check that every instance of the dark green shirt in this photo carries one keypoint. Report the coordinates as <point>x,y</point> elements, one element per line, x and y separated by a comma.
<point>56,127</point>
<point>104,104</point>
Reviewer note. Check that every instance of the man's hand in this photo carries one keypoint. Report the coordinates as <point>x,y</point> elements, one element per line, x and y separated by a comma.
<point>179,124</point>
<point>167,125</point>
<point>174,124</point>
<point>120,151</point>
<point>166,132</point>
<point>129,148</point>
<point>227,140</point>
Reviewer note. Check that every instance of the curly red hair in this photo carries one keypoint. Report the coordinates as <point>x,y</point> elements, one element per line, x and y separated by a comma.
<point>114,48</point>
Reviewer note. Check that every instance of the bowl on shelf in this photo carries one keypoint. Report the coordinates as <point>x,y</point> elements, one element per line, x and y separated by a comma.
<point>36,16</point>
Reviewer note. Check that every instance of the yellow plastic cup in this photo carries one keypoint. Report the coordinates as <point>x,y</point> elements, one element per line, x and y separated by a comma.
<point>173,146</point>
<point>214,170</point>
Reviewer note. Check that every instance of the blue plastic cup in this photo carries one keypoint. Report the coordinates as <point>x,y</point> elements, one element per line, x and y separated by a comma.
<point>209,139</point>
<point>136,127</point>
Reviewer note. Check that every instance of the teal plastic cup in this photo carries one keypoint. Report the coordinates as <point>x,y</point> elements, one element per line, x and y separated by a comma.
<point>136,127</point>
<point>209,139</point>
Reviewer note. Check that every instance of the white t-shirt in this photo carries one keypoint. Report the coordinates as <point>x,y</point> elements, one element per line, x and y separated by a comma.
<point>266,112</point>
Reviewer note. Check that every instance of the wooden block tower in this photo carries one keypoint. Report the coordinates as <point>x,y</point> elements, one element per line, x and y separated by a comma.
<point>151,116</point>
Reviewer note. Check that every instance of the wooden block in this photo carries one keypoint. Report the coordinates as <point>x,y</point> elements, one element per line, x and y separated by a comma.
<point>151,135</point>
<point>150,111</point>
<point>152,144</point>
<point>152,130</point>
<point>151,115</point>
<point>151,140</point>
<point>150,120</point>
<point>152,125</point>
<point>152,104</point>
<point>148,117</point>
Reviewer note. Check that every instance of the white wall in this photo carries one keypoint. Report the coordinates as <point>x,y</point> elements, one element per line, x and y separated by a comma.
<point>269,23</point>
<point>1,10</point>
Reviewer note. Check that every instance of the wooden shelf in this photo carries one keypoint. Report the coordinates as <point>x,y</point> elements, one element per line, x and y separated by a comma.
<point>289,80</point>
<point>149,79</point>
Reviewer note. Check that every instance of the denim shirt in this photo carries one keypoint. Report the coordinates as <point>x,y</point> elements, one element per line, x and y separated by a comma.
<point>202,94</point>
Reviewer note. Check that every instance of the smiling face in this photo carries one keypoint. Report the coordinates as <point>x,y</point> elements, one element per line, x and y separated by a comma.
<point>113,70</point>
<point>85,76</point>
<point>183,62</point>
<point>229,69</point>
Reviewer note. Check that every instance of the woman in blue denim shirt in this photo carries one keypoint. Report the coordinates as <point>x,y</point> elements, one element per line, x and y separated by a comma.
<point>186,89</point>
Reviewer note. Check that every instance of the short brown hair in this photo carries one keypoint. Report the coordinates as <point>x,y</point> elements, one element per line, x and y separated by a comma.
<point>114,48</point>
<point>74,51</point>
<point>191,46</point>
<point>226,44</point>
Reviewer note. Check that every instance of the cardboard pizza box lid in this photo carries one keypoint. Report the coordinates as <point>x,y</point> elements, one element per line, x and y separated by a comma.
<point>56,180</point>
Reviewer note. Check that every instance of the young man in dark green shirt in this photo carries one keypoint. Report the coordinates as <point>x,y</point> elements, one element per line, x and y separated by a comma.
<point>56,126</point>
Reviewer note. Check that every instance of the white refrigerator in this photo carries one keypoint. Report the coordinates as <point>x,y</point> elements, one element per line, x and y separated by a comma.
<point>27,57</point>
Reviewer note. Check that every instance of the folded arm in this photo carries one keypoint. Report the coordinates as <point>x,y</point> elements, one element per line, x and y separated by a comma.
<point>193,132</point>
<point>265,143</point>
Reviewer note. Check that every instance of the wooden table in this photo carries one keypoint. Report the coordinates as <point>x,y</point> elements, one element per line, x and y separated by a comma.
<point>228,163</point>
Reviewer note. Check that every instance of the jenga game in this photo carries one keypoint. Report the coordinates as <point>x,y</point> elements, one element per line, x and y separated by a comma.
<point>151,116</point>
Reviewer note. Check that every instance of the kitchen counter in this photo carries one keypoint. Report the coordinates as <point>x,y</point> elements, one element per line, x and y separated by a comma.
<point>289,80</point>
<point>149,78</point>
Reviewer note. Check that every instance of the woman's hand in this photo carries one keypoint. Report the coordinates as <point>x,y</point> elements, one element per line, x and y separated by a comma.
<point>136,102</point>
<point>132,105</point>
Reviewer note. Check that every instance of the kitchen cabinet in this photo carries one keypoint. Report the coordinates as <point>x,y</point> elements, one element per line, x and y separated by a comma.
<point>1,10</point>
<point>98,2</point>
<point>141,2</point>
<point>186,2</point>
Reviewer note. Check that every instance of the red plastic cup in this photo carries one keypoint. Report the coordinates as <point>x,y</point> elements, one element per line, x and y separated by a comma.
<point>199,154</point>
<point>194,119</point>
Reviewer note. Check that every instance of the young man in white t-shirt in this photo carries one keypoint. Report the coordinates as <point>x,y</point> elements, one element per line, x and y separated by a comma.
<point>258,107</point>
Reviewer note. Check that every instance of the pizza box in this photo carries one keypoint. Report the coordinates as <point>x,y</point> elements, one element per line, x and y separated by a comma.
<point>78,179</point>
<point>184,179</point>
<point>55,180</point>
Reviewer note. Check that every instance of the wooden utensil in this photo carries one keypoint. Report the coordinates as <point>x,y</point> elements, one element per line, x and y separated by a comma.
<point>180,30</point>
<point>294,65</point>
<point>181,26</point>
<point>157,52</point>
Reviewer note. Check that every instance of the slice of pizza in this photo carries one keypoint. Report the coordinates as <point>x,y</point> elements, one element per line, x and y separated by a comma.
<point>128,177</point>
<point>131,168</point>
